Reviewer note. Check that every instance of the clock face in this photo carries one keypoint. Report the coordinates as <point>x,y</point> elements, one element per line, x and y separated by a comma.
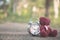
<point>34,29</point>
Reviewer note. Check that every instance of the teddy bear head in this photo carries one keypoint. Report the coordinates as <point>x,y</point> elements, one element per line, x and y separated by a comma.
<point>44,21</point>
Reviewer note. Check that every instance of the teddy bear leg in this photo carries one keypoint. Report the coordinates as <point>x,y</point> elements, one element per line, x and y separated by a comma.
<point>43,34</point>
<point>53,33</point>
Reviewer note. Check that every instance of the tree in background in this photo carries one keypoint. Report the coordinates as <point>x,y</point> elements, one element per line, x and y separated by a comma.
<point>5,7</point>
<point>14,5</point>
<point>4,4</point>
<point>47,8</point>
<point>56,5</point>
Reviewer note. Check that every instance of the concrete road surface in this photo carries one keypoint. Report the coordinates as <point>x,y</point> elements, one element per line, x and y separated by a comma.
<point>18,31</point>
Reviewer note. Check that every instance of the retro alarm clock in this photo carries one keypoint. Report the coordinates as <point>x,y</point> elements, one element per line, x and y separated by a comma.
<point>33,28</point>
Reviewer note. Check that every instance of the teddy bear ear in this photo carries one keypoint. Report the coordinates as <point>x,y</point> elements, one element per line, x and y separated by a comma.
<point>48,20</point>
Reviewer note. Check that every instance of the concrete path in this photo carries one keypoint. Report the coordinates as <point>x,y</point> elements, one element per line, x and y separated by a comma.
<point>18,31</point>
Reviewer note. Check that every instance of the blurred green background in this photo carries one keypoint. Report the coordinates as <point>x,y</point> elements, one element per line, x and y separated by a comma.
<point>21,11</point>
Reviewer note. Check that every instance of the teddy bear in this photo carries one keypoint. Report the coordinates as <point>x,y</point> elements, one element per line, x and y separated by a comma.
<point>45,29</point>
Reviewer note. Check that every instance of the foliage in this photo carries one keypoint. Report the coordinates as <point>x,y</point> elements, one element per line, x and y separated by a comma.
<point>26,14</point>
